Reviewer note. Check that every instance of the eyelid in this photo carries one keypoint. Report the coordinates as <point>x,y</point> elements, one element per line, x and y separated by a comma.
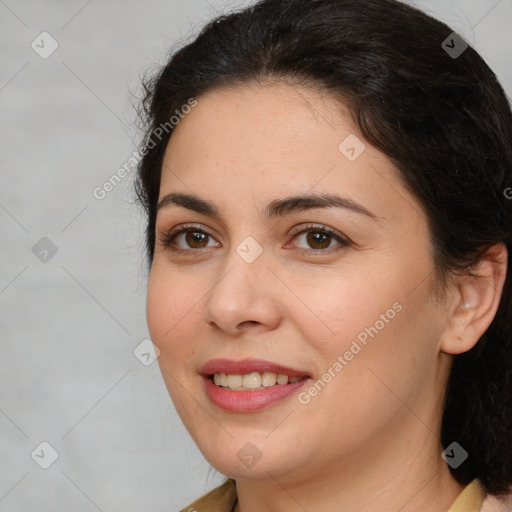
<point>342,240</point>
<point>311,227</point>
<point>167,239</point>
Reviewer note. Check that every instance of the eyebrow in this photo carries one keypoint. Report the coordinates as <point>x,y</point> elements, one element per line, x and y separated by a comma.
<point>276,208</point>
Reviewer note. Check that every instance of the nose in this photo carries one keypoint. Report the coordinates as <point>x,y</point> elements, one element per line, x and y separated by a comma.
<point>244,297</point>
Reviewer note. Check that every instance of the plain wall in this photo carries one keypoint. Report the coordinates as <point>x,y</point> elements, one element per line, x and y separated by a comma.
<point>69,321</point>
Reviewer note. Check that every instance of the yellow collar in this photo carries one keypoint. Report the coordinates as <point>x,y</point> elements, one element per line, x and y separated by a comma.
<point>470,499</point>
<point>223,499</point>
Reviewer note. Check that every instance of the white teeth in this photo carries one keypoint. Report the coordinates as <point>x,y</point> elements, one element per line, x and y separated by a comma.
<point>251,380</point>
<point>220,379</point>
<point>268,379</point>
<point>234,381</point>
<point>254,380</point>
<point>282,379</point>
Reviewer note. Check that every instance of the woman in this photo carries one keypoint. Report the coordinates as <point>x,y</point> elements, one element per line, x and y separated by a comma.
<point>327,188</point>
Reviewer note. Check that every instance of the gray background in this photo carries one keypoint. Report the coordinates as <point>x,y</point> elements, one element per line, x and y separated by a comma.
<point>69,325</point>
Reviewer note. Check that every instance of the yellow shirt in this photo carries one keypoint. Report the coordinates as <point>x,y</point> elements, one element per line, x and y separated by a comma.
<point>223,499</point>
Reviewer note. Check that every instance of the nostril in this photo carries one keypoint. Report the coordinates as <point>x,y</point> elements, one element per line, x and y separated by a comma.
<point>248,322</point>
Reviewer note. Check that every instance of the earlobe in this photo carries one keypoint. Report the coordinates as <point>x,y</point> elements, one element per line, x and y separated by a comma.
<point>476,297</point>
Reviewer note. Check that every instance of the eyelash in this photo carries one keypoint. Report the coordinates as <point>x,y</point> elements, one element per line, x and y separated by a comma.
<point>168,240</point>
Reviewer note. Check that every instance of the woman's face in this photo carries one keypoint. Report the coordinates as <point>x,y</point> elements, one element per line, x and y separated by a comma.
<point>334,290</point>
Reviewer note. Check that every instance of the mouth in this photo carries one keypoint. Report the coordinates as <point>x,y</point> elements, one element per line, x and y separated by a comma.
<point>249,385</point>
<point>252,381</point>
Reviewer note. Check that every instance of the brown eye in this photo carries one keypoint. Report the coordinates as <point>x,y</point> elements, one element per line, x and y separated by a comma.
<point>319,240</point>
<point>196,239</point>
<point>188,239</point>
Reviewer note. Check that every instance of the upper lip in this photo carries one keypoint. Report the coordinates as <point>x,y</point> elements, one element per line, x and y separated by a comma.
<point>245,366</point>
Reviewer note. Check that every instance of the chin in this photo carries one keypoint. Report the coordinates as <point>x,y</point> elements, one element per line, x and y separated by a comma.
<point>239,457</point>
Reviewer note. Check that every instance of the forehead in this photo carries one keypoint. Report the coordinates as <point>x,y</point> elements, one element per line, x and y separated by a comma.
<point>260,125</point>
<point>253,143</point>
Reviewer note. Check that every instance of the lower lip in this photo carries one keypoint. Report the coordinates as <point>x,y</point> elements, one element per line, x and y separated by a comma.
<point>249,401</point>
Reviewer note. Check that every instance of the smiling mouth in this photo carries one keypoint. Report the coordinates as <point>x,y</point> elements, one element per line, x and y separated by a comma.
<point>253,381</point>
<point>250,385</point>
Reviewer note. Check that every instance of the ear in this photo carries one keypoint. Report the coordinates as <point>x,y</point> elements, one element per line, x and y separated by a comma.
<point>475,298</point>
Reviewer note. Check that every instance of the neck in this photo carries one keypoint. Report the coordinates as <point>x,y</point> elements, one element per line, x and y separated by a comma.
<point>394,474</point>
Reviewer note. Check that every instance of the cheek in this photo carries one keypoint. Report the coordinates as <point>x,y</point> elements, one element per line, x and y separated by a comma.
<point>170,306</point>
<point>372,318</point>
<point>169,312</point>
<point>158,304</point>
<point>335,310</point>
